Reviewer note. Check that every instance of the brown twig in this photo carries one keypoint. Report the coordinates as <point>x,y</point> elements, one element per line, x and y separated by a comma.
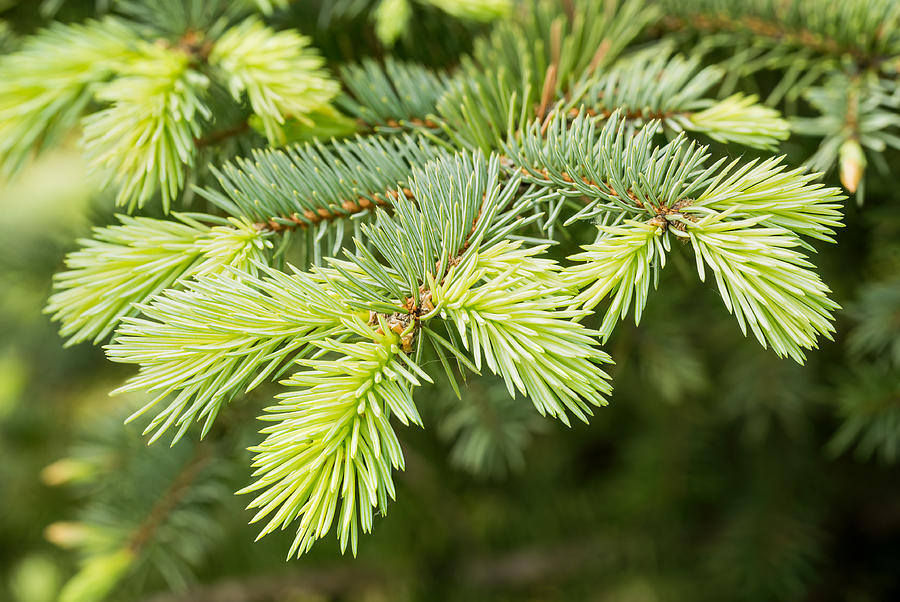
<point>630,115</point>
<point>427,123</point>
<point>169,500</point>
<point>222,135</point>
<point>349,207</point>
<point>770,29</point>
<point>194,44</point>
<point>601,186</point>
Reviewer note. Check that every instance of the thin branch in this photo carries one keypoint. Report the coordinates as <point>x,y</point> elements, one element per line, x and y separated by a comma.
<point>216,137</point>
<point>776,31</point>
<point>169,500</point>
<point>415,121</point>
<point>630,115</point>
<point>602,187</point>
<point>311,218</point>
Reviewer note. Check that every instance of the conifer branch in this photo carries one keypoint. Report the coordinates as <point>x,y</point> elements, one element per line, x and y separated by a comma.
<point>236,331</point>
<point>304,186</point>
<point>130,263</point>
<point>857,115</point>
<point>433,264</point>
<point>392,96</point>
<point>864,30</point>
<point>548,122</point>
<point>498,89</point>
<point>280,191</point>
<point>618,176</point>
<point>523,333</point>
<point>144,140</point>
<point>332,441</point>
<point>877,328</point>
<point>46,83</point>
<point>789,199</point>
<point>669,191</point>
<point>764,282</point>
<point>622,263</point>
<point>170,499</point>
<point>671,89</point>
<point>867,405</point>
<point>349,209</point>
<point>146,509</point>
<point>488,430</point>
<point>156,92</point>
<point>841,56</point>
<point>276,71</point>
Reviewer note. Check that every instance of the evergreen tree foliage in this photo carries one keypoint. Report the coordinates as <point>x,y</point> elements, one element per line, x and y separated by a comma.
<point>343,247</point>
<point>152,90</point>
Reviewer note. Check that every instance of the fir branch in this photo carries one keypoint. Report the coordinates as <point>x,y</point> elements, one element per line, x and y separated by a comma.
<point>332,441</point>
<point>616,174</point>
<point>349,208</point>
<point>147,511</point>
<point>440,268</point>
<point>130,263</point>
<point>623,262</point>
<point>489,431</point>
<point>500,87</point>
<point>857,115</point>
<point>864,30</point>
<point>235,332</point>
<point>739,119</point>
<point>144,140</point>
<point>668,188</point>
<point>281,315</point>
<point>460,203</point>
<point>790,199</point>
<point>670,88</point>
<point>437,259</point>
<point>764,282</point>
<point>524,334</point>
<point>304,186</point>
<point>46,83</point>
<point>877,316</point>
<point>170,499</point>
<point>392,96</point>
<point>619,176</point>
<point>478,106</point>
<point>868,404</point>
<point>280,76</point>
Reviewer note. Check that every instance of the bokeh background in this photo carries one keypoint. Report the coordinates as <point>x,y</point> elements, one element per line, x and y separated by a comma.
<point>718,472</point>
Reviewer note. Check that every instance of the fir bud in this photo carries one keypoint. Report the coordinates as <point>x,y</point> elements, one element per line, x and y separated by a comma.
<point>853,164</point>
